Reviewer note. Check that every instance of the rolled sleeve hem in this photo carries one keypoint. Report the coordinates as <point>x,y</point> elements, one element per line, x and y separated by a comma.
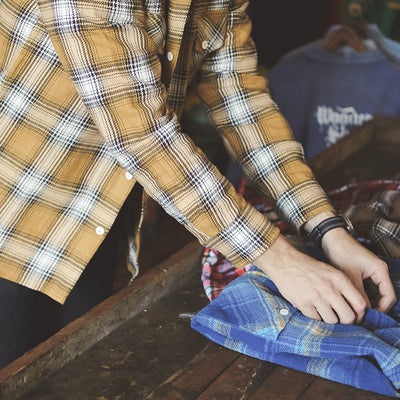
<point>303,202</point>
<point>246,238</point>
<point>315,211</point>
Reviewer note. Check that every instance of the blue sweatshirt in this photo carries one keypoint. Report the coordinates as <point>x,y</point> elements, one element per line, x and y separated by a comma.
<point>325,94</point>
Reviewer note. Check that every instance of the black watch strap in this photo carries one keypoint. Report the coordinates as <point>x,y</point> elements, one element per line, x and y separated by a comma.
<point>328,224</point>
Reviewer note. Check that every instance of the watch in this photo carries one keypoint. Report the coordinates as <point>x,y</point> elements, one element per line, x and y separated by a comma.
<point>340,221</point>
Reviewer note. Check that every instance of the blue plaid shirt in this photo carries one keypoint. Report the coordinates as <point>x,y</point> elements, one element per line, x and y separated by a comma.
<point>250,316</point>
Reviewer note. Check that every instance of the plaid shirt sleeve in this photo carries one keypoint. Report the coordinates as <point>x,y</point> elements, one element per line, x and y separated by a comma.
<point>256,134</point>
<point>116,69</point>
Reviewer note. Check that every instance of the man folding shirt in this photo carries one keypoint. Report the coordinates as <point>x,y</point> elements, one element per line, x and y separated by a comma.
<point>90,97</point>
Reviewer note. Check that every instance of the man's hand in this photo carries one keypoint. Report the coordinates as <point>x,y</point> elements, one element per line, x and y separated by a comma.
<point>321,291</point>
<point>359,264</point>
<point>318,290</point>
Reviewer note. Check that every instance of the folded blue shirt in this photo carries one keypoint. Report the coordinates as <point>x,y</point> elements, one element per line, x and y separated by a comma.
<point>251,317</point>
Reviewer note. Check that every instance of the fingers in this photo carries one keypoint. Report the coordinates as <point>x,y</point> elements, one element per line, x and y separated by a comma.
<point>338,301</point>
<point>387,295</point>
<point>358,283</point>
<point>355,300</point>
<point>380,277</point>
<point>327,314</point>
<point>359,305</point>
<point>346,314</point>
<point>360,265</point>
<point>348,301</point>
<point>311,312</point>
<point>340,311</point>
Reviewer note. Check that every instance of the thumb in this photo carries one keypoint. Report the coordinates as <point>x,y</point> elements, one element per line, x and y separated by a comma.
<point>359,284</point>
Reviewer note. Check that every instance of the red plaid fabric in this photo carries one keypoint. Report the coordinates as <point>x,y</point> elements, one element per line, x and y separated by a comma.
<point>217,271</point>
<point>360,193</point>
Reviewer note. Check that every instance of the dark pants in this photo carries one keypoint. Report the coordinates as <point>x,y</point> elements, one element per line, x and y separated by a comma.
<point>28,317</point>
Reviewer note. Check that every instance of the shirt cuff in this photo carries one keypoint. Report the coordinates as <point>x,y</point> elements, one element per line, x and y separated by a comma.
<point>246,238</point>
<point>303,202</point>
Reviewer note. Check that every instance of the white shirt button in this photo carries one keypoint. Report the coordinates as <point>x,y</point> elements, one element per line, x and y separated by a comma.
<point>170,56</point>
<point>284,311</point>
<point>128,175</point>
<point>204,44</point>
<point>100,230</point>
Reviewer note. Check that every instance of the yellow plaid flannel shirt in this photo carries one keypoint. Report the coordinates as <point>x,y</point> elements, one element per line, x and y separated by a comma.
<point>90,96</point>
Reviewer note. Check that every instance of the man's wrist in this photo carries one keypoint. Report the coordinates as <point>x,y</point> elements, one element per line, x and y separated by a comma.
<point>333,240</point>
<point>313,222</point>
<point>321,225</point>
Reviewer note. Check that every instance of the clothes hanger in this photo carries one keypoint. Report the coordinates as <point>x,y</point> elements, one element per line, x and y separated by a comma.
<point>344,36</point>
<point>353,32</point>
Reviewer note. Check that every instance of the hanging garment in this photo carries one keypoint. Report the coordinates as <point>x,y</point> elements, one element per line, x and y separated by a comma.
<point>325,94</point>
<point>389,47</point>
<point>250,316</point>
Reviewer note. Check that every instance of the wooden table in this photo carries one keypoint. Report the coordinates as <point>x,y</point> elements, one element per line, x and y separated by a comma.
<point>139,345</point>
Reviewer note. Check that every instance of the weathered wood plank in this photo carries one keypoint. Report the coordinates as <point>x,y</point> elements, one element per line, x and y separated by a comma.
<point>239,380</point>
<point>51,355</point>
<point>328,390</point>
<point>283,384</point>
<point>195,377</point>
<point>136,358</point>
